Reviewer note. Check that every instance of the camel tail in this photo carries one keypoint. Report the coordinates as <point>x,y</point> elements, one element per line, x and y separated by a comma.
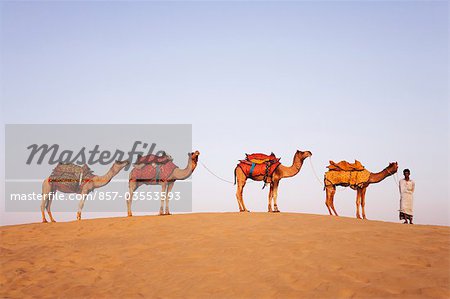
<point>235,176</point>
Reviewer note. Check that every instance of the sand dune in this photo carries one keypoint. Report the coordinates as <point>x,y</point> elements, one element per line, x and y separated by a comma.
<point>255,255</point>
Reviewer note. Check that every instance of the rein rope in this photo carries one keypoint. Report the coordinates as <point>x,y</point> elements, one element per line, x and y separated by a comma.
<point>394,177</point>
<point>210,171</point>
<point>314,172</point>
<point>220,178</point>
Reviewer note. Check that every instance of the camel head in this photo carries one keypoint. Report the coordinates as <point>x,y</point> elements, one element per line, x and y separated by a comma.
<point>119,165</point>
<point>194,156</point>
<point>392,168</point>
<point>303,155</point>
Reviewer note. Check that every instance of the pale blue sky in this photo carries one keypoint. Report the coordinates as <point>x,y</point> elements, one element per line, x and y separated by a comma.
<point>346,80</point>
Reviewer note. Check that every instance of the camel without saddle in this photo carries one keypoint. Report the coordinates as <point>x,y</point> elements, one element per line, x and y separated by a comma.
<point>279,173</point>
<point>166,184</point>
<point>360,189</point>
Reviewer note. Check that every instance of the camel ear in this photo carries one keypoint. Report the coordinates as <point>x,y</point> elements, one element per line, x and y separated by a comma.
<point>197,153</point>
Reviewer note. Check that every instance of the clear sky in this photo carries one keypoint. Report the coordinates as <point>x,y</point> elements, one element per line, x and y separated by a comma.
<point>364,80</point>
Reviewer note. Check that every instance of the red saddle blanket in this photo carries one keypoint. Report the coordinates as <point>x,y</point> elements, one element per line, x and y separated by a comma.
<point>156,173</point>
<point>149,159</point>
<point>260,165</point>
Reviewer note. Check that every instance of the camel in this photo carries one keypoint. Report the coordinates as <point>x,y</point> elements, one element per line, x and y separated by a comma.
<point>280,172</point>
<point>360,190</point>
<point>83,187</point>
<point>166,184</point>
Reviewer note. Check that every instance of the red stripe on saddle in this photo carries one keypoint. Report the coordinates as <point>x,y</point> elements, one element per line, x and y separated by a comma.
<point>149,173</point>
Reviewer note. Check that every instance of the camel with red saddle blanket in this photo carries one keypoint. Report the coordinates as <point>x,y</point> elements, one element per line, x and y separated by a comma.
<point>266,168</point>
<point>71,178</point>
<point>355,176</point>
<point>159,170</point>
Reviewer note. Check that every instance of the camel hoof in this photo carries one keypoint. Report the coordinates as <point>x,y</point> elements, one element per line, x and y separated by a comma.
<point>276,211</point>
<point>53,220</point>
<point>44,221</point>
<point>167,213</point>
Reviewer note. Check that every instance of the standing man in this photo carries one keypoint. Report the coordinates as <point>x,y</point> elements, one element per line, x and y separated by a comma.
<point>406,186</point>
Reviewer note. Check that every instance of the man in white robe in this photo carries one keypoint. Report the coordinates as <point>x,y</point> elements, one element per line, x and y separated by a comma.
<point>406,186</point>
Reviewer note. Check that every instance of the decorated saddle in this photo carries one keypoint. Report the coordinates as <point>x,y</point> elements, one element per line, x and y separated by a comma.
<point>154,159</point>
<point>346,174</point>
<point>70,177</point>
<point>345,166</point>
<point>256,165</point>
<point>154,172</point>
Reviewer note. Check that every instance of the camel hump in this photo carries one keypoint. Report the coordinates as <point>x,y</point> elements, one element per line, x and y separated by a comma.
<point>70,172</point>
<point>345,166</point>
<point>153,173</point>
<point>259,158</point>
<point>149,159</point>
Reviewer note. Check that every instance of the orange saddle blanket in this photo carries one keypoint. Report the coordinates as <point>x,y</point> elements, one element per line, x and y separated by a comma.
<point>259,165</point>
<point>345,166</point>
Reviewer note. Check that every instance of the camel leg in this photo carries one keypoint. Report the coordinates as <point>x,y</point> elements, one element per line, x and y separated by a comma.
<point>161,208</point>
<point>329,197</point>
<point>46,188</point>
<point>332,202</point>
<point>270,198</point>
<point>275,195</point>
<point>169,189</point>
<point>363,202</point>
<point>241,179</point>
<point>358,202</point>
<point>81,205</point>
<point>331,190</point>
<point>240,190</point>
<point>49,204</point>
<point>43,204</point>
<point>132,186</point>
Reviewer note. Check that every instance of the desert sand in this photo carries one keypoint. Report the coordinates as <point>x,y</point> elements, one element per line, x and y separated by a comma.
<point>223,255</point>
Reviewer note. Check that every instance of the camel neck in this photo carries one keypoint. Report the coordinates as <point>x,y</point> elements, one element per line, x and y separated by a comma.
<point>106,178</point>
<point>379,176</point>
<point>289,171</point>
<point>182,174</point>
